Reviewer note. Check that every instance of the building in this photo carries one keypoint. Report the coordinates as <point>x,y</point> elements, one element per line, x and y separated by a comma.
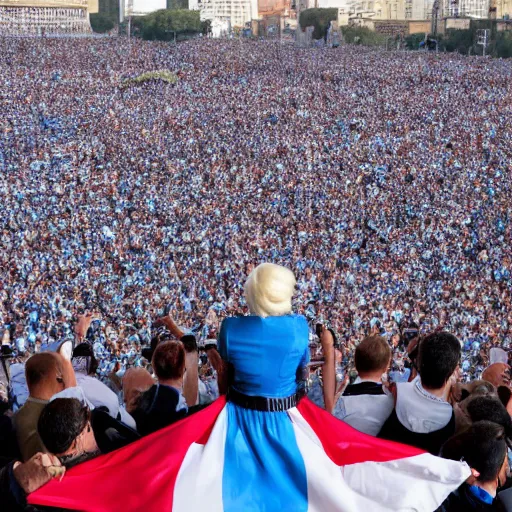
<point>226,13</point>
<point>375,9</point>
<point>273,8</point>
<point>504,9</point>
<point>408,10</point>
<point>45,17</point>
<point>141,7</point>
<point>465,8</point>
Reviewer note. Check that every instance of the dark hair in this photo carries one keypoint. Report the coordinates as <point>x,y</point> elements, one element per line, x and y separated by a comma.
<point>504,394</point>
<point>438,357</point>
<point>86,350</point>
<point>169,360</point>
<point>483,446</point>
<point>489,408</point>
<point>61,422</point>
<point>40,366</point>
<point>372,354</point>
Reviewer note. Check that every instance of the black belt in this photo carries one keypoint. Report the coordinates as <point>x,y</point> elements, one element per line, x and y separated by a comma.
<point>260,403</point>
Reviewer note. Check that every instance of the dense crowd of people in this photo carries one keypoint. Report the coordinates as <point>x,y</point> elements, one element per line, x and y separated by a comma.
<point>131,217</point>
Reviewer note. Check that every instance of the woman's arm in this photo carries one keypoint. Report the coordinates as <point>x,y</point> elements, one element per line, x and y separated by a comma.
<point>220,367</point>
<point>190,380</point>
<point>328,369</point>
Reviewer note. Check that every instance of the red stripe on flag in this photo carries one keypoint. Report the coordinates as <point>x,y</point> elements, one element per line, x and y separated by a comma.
<point>345,445</point>
<point>139,477</point>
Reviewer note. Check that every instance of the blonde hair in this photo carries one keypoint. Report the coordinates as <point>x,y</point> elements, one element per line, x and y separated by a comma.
<point>269,290</point>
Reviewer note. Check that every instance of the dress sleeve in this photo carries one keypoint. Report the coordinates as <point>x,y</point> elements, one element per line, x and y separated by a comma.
<point>222,345</point>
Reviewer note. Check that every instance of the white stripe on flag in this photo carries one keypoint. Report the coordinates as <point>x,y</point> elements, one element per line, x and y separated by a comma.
<point>414,484</point>
<point>326,488</point>
<point>199,483</point>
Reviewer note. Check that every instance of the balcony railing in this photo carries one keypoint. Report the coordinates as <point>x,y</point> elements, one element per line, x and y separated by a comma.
<point>44,3</point>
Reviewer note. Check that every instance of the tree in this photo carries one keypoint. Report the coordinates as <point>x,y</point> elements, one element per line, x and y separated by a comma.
<point>458,41</point>
<point>320,19</point>
<point>163,24</point>
<point>412,41</point>
<point>101,23</point>
<point>363,36</point>
<point>503,45</point>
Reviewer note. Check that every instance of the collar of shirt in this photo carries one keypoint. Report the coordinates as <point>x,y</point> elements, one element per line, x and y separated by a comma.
<point>37,400</point>
<point>481,494</point>
<point>359,380</point>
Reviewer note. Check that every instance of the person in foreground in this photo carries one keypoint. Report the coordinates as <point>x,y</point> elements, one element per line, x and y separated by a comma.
<point>45,377</point>
<point>72,434</point>
<point>364,404</point>
<point>423,416</point>
<point>262,448</point>
<point>483,446</point>
<point>18,479</point>
<point>165,402</point>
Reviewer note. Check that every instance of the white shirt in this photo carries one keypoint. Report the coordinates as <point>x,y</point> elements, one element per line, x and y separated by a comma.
<point>419,411</point>
<point>366,413</point>
<point>101,396</point>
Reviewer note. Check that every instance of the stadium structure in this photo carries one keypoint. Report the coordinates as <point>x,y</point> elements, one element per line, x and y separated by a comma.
<point>46,17</point>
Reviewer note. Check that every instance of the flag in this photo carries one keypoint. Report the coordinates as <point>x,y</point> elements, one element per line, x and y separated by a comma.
<point>184,468</point>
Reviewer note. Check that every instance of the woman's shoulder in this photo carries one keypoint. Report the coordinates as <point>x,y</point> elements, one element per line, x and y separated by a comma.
<point>254,318</point>
<point>236,321</point>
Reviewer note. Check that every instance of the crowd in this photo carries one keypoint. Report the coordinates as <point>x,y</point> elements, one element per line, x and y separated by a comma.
<point>131,216</point>
<point>381,179</point>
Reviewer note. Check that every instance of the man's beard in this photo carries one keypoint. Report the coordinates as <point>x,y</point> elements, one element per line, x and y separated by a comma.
<point>70,462</point>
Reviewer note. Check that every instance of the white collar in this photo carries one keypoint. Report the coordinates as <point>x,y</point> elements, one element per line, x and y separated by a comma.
<point>359,381</point>
<point>426,393</point>
<point>419,411</point>
<point>37,400</point>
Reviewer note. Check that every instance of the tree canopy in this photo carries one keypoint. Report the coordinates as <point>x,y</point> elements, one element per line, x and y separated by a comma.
<point>162,24</point>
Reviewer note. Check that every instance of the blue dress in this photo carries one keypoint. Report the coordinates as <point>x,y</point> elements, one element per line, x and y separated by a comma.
<point>266,354</point>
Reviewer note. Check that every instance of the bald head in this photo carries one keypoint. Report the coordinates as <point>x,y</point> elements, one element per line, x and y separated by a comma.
<point>135,382</point>
<point>497,374</point>
<point>44,374</point>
